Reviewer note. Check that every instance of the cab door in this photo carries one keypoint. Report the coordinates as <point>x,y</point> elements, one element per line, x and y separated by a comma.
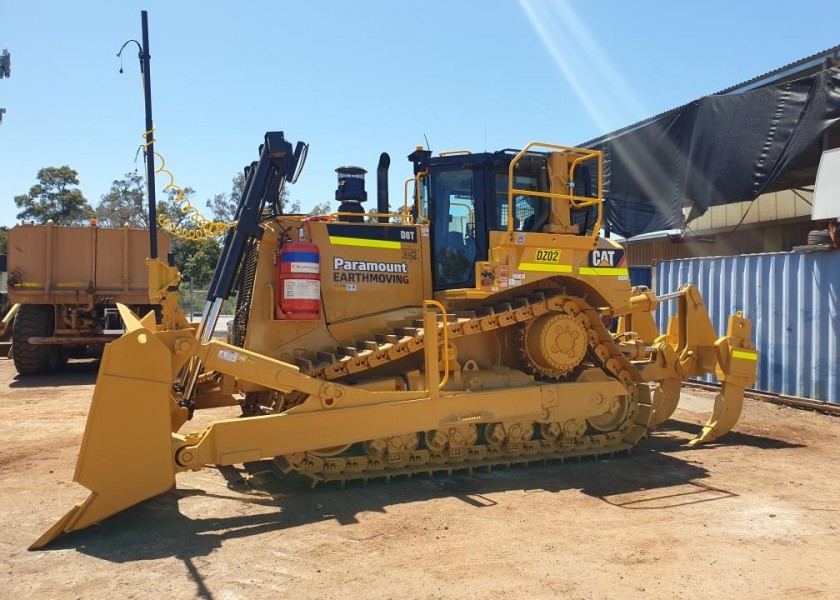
<point>459,237</point>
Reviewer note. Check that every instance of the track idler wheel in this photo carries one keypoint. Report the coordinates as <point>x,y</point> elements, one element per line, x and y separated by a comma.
<point>666,396</point>
<point>613,418</point>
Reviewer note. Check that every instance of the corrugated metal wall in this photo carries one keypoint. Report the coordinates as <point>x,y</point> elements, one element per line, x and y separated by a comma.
<point>776,238</point>
<point>792,300</point>
<point>641,276</point>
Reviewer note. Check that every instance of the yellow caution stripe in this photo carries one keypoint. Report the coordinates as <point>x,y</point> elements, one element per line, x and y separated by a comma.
<point>745,354</point>
<point>604,271</point>
<point>526,266</point>
<point>366,243</point>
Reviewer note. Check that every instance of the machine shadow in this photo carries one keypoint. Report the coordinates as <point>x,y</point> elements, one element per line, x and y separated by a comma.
<point>157,529</point>
<point>733,438</point>
<point>75,372</point>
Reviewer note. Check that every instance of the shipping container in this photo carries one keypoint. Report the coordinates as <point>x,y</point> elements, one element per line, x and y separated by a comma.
<point>641,276</point>
<point>791,299</point>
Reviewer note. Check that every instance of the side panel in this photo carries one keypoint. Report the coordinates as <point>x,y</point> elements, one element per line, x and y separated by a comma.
<point>121,259</point>
<point>266,334</point>
<point>49,264</point>
<point>388,293</point>
<point>532,257</point>
<point>791,299</point>
<point>369,269</point>
<point>54,265</point>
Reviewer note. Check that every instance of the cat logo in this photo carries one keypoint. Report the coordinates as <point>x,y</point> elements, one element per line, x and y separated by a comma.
<point>606,258</point>
<point>606,262</point>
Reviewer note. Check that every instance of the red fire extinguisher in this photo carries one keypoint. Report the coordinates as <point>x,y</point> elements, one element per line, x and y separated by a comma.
<point>299,281</point>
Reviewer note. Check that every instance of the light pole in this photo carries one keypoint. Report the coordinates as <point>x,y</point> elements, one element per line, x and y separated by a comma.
<point>148,147</point>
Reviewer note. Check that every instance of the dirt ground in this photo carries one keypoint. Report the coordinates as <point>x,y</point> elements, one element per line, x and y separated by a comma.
<point>754,517</point>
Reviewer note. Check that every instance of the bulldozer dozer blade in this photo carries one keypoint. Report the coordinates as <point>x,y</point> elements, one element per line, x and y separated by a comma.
<point>728,404</point>
<point>126,453</point>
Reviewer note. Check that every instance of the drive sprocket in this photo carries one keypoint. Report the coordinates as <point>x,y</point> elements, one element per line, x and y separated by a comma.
<point>553,345</point>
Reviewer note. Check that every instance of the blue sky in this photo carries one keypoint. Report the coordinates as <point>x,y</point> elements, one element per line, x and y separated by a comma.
<point>357,78</point>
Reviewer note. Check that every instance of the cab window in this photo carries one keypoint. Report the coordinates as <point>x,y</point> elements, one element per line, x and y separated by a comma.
<point>525,207</point>
<point>454,227</point>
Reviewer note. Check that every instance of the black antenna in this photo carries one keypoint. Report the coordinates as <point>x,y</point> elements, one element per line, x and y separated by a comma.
<point>427,142</point>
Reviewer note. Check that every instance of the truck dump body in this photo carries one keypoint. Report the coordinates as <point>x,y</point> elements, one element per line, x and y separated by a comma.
<point>49,264</point>
<point>65,283</point>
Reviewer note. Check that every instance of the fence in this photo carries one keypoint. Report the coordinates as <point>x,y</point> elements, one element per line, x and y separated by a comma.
<point>194,297</point>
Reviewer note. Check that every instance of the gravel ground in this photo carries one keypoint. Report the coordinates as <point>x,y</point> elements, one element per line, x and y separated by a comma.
<point>753,517</point>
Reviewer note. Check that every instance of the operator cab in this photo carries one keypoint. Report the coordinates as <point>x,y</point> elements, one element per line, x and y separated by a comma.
<point>465,196</point>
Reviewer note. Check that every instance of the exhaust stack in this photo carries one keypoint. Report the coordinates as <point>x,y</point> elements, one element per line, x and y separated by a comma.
<point>382,205</point>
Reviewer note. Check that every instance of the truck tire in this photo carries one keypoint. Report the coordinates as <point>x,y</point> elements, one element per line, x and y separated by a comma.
<point>34,320</point>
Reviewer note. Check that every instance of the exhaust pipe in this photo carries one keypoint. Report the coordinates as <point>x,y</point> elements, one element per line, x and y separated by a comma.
<point>382,186</point>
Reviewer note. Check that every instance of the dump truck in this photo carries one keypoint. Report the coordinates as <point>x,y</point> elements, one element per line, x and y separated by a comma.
<point>465,330</point>
<point>65,283</point>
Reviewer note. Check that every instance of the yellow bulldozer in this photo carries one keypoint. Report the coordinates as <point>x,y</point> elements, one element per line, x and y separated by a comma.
<point>470,328</point>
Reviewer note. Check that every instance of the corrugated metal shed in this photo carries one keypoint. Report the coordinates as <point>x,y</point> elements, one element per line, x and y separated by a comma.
<point>770,238</point>
<point>792,300</point>
<point>641,276</point>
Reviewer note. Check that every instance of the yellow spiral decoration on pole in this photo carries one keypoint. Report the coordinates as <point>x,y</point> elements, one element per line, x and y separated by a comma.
<point>203,228</point>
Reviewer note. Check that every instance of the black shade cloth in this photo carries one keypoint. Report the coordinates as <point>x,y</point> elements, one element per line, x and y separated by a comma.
<point>716,150</point>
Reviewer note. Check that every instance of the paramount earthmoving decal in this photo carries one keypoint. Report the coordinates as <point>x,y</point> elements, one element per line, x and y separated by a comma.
<point>362,271</point>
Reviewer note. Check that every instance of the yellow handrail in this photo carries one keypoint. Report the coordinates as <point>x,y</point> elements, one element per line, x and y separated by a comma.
<point>574,200</point>
<point>453,152</point>
<point>421,218</point>
<point>442,310</point>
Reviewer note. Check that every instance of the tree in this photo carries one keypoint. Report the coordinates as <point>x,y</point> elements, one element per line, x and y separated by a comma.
<point>322,208</point>
<point>171,207</point>
<point>124,203</point>
<point>288,206</point>
<point>223,206</point>
<point>53,198</point>
<point>195,259</point>
<point>4,240</point>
